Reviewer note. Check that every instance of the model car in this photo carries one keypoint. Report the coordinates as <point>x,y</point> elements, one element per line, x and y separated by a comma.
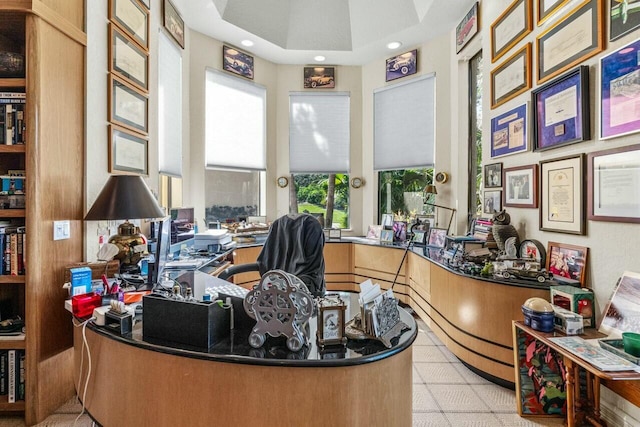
<point>521,268</point>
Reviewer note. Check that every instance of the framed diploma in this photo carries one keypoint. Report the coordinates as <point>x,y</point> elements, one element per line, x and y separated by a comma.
<point>128,152</point>
<point>128,106</point>
<point>613,176</point>
<point>561,111</point>
<point>127,60</point>
<point>511,27</point>
<point>132,18</point>
<point>546,8</point>
<point>521,186</point>
<point>509,132</point>
<point>571,40</point>
<point>619,94</point>
<point>512,77</point>
<point>561,201</point>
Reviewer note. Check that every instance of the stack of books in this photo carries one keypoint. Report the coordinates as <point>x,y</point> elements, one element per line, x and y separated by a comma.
<point>12,373</point>
<point>482,228</point>
<point>12,249</point>
<point>12,123</point>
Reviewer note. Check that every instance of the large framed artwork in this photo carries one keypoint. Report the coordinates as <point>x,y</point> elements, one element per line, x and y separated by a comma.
<point>467,28</point>
<point>132,18</point>
<point>128,60</point>
<point>561,111</point>
<point>613,177</point>
<point>619,94</point>
<point>237,62</point>
<point>570,41</point>
<point>509,132</point>
<point>512,77</point>
<point>511,27</point>
<point>402,65</point>
<point>624,18</point>
<point>546,8</point>
<point>562,189</point>
<point>521,186</point>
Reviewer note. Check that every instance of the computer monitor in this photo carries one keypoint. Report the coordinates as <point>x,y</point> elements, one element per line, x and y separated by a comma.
<point>163,248</point>
<point>183,223</point>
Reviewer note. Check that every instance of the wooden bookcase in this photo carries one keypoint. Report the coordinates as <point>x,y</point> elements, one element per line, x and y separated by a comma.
<point>50,34</point>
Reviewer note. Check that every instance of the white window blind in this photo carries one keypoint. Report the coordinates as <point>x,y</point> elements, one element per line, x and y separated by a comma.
<point>319,133</point>
<point>235,129</point>
<point>169,107</point>
<point>404,125</point>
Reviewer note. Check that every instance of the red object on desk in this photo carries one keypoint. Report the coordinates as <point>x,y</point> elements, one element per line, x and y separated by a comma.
<point>83,305</point>
<point>135,296</point>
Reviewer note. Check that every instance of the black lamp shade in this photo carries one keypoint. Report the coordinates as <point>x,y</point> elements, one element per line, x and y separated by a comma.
<point>124,197</point>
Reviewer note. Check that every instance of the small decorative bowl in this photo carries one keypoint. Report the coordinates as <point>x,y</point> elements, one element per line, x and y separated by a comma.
<point>631,343</point>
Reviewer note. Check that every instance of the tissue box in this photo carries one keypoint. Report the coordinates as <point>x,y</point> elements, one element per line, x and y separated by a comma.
<point>80,280</point>
<point>577,300</point>
<point>567,321</point>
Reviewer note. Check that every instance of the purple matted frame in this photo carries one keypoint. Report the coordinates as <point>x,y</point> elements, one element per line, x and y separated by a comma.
<point>509,132</point>
<point>619,80</point>
<point>556,120</point>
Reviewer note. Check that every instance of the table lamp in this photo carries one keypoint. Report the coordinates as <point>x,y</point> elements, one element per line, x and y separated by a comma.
<point>126,197</point>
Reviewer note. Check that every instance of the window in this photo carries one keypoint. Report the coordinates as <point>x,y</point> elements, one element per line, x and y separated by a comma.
<point>169,108</point>
<point>475,136</point>
<point>401,192</point>
<point>235,138</point>
<point>319,138</point>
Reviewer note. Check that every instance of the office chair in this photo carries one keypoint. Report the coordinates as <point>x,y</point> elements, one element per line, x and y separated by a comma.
<point>295,244</point>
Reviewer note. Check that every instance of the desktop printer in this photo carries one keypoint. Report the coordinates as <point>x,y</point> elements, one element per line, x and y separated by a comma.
<point>211,240</point>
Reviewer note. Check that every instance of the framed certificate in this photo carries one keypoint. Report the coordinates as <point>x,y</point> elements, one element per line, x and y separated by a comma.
<point>546,8</point>
<point>511,27</point>
<point>570,41</point>
<point>561,204</point>
<point>509,132</point>
<point>512,77</point>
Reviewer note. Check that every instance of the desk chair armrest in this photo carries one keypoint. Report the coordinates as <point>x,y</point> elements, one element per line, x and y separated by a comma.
<point>237,269</point>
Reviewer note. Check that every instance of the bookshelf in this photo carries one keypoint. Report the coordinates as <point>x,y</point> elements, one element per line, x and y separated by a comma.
<point>50,34</point>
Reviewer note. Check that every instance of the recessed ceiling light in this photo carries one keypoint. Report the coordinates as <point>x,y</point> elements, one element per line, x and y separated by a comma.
<point>319,58</point>
<point>247,43</point>
<point>394,45</point>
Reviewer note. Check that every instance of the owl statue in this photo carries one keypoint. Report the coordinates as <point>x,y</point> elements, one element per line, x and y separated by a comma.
<point>502,230</point>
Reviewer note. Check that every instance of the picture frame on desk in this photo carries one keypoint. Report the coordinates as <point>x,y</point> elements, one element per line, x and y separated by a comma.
<point>437,237</point>
<point>568,261</point>
<point>127,59</point>
<point>128,152</point>
<point>132,18</point>
<point>128,106</point>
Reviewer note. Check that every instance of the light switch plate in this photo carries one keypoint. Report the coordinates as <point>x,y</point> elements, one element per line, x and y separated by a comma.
<point>61,230</point>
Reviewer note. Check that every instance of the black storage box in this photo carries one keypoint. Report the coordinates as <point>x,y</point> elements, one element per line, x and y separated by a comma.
<point>193,323</point>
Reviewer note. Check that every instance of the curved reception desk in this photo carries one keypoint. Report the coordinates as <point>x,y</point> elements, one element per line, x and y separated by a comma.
<point>133,382</point>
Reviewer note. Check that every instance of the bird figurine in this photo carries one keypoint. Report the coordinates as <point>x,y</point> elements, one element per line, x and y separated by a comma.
<point>502,230</point>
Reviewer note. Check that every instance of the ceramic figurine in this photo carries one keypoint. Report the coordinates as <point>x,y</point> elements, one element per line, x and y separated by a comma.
<point>502,229</point>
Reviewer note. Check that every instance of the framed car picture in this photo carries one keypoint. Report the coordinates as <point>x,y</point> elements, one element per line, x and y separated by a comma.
<point>319,77</point>
<point>237,62</point>
<point>402,65</point>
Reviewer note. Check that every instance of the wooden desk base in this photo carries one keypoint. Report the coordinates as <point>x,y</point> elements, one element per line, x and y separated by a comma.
<point>132,386</point>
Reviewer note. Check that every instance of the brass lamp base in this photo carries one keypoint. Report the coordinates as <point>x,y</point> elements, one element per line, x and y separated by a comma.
<point>131,244</point>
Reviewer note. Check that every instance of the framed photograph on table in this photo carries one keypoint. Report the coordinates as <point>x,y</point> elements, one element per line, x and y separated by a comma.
<point>546,8</point>
<point>624,18</point>
<point>509,132</point>
<point>132,18</point>
<point>173,22</point>
<point>128,106</point>
<point>128,60</point>
<point>467,28</point>
<point>512,77</point>
<point>571,40</point>
<point>511,27</point>
<point>521,186</point>
<point>437,237</point>
<point>128,152</point>
<point>568,261</point>
<point>493,175</point>
<point>613,176</point>
<point>237,62</point>
<point>619,96</point>
<point>561,111</point>
<point>561,202</point>
<point>492,201</point>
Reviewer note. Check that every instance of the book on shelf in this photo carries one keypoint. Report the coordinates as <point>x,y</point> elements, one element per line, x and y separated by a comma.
<point>11,376</point>
<point>4,378</point>
<point>12,118</point>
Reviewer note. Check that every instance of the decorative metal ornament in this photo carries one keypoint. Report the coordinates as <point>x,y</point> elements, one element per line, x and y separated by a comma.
<point>281,304</point>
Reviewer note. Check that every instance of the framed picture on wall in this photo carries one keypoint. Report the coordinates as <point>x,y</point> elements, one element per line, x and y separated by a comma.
<point>492,201</point>
<point>493,175</point>
<point>319,77</point>
<point>173,22</point>
<point>402,65</point>
<point>511,27</point>
<point>521,186</point>
<point>561,111</point>
<point>512,77</point>
<point>561,202</point>
<point>128,106</point>
<point>624,18</point>
<point>509,132</point>
<point>467,28</point>
<point>132,18</point>
<point>546,8</point>
<point>237,62</point>
<point>619,75</point>
<point>128,152</point>
<point>571,40</point>
<point>128,60</point>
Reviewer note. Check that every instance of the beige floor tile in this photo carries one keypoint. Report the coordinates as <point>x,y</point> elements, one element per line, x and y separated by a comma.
<point>472,419</point>
<point>457,398</point>
<point>499,399</point>
<point>426,353</point>
<point>448,354</point>
<point>514,420</point>
<point>423,339</point>
<point>439,373</point>
<point>423,400</point>
<point>427,419</point>
<point>469,376</point>
<point>417,379</point>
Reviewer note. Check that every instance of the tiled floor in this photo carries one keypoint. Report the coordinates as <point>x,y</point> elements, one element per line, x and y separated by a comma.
<point>445,394</point>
